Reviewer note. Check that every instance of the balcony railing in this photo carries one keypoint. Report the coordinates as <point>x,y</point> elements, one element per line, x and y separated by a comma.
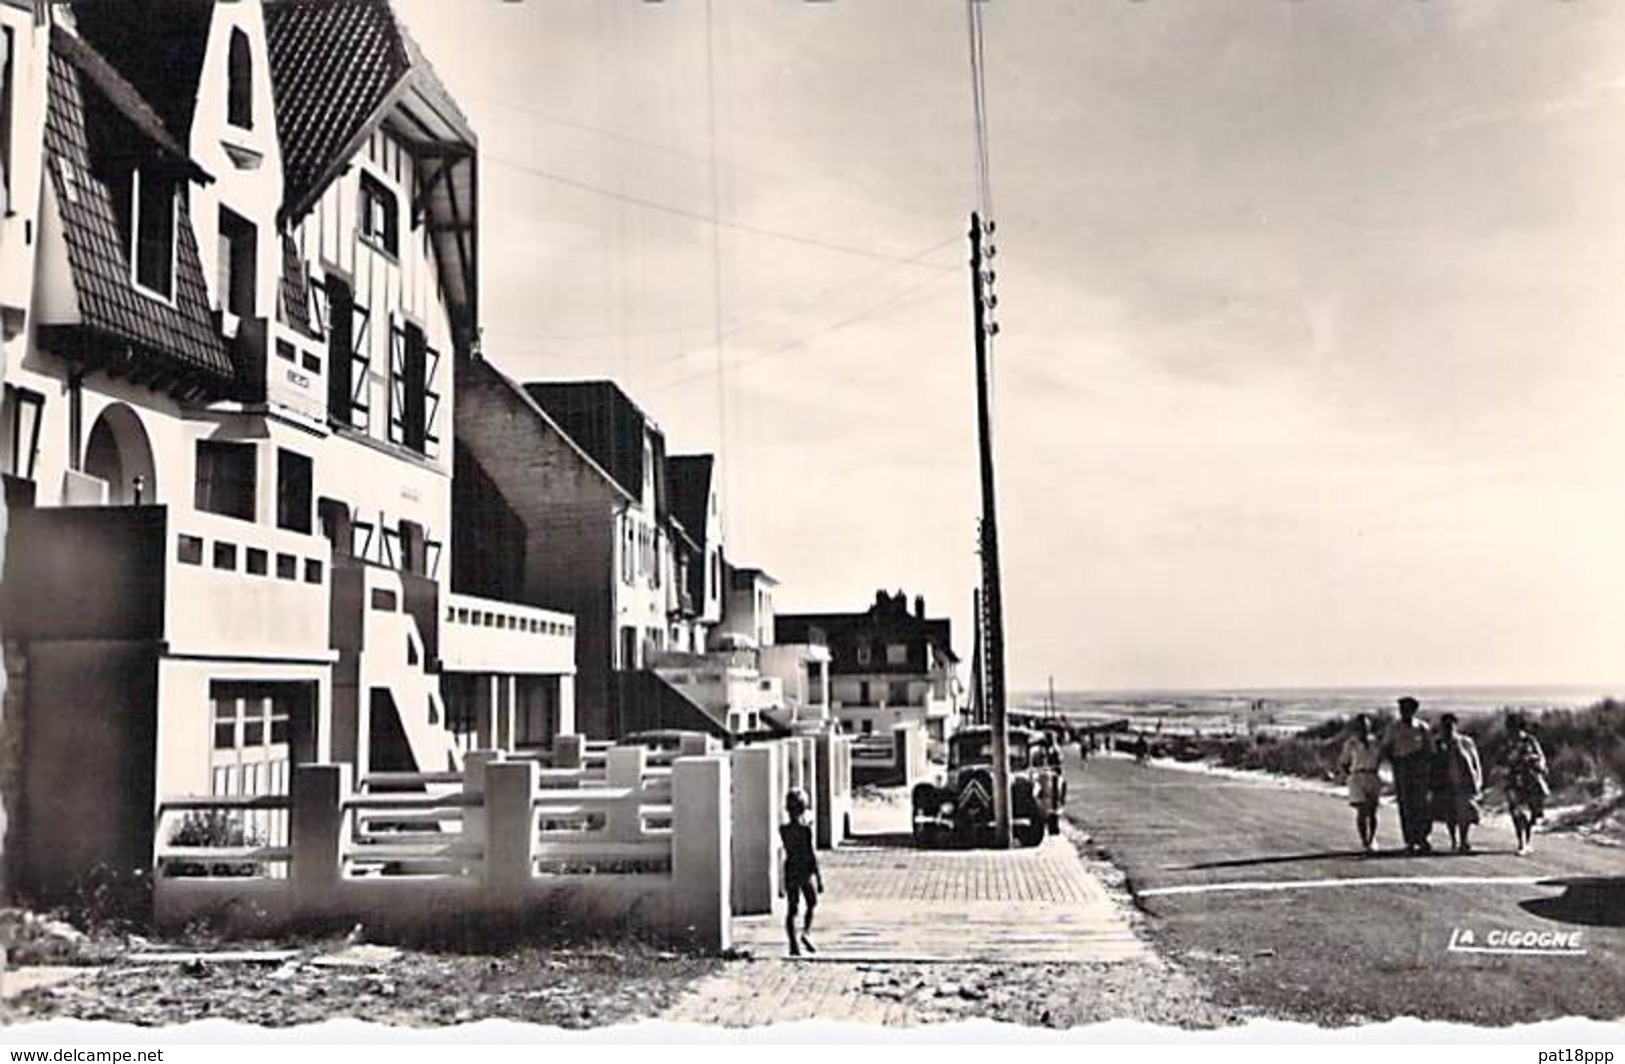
<point>488,635</point>
<point>201,583</point>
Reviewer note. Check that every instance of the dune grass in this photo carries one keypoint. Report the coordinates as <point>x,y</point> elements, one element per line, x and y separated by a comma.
<point>1585,749</point>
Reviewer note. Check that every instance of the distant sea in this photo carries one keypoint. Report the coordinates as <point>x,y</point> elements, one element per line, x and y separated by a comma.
<point>1291,709</point>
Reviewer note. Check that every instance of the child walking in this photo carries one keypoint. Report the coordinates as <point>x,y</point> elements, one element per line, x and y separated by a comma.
<point>801,876</point>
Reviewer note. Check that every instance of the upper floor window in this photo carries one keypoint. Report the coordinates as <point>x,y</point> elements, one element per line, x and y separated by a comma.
<point>225,479</point>
<point>349,357</point>
<point>240,86</point>
<point>153,234</point>
<point>293,491</point>
<point>414,405</point>
<point>380,216</point>
<point>863,654</point>
<point>24,412</point>
<point>239,242</point>
<point>896,653</point>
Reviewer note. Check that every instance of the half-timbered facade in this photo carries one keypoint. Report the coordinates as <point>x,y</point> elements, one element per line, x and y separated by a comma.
<point>227,417</point>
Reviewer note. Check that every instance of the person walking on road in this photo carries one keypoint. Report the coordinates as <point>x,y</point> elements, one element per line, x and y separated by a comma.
<point>1362,754</point>
<point>1409,751</point>
<point>1524,764</point>
<point>802,880</point>
<point>1458,780</point>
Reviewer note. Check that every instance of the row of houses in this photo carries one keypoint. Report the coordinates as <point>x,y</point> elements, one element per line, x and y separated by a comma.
<point>267,501</point>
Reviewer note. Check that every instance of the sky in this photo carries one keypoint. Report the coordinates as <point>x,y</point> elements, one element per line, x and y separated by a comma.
<point>1310,367</point>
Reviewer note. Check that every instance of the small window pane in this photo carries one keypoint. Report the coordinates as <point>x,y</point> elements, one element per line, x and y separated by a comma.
<point>189,549</point>
<point>225,556</point>
<point>257,561</point>
<point>287,567</point>
<point>313,571</point>
<point>225,735</point>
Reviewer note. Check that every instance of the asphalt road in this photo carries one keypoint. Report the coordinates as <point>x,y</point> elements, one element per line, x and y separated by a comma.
<point>1260,891</point>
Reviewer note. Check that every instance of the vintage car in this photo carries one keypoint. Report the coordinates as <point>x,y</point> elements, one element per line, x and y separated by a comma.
<point>959,808</point>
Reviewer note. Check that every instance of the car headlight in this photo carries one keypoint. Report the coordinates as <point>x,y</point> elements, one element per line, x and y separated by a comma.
<point>947,809</point>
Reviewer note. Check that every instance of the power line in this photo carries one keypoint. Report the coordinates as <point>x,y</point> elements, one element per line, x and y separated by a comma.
<point>755,321</point>
<point>708,219</point>
<point>823,297</point>
<point>908,295</point>
<point>690,156</point>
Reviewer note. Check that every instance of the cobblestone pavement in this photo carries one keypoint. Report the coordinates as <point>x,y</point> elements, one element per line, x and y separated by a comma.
<point>886,901</point>
<point>907,936</point>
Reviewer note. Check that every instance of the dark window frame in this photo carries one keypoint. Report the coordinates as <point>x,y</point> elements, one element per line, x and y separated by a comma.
<point>212,492</point>
<point>16,399</point>
<point>378,218</point>
<point>240,81</point>
<point>147,192</point>
<point>295,494</point>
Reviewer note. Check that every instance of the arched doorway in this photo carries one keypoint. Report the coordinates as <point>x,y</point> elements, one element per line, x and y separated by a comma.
<point>119,453</point>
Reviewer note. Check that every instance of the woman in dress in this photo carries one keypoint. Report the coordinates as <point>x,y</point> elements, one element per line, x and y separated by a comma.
<point>1362,753</point>
<point>1457,782</point>
<point>1524,763</point>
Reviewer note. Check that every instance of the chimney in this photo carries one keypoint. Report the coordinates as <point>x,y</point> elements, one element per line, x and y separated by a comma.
<point>919,607</point>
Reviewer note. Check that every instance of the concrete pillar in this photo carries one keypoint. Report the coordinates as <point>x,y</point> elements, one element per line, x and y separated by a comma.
<point>756,800</point>
<point>832,791</point>
<point>567,750</point>
<point>565,723</point>
<point>701,850</point>
<point>485,717</point>
<point>476,765</point>
<point>316,834</point>
<point>506,701</point>
<point>624,766</point>
<point>693,744</point>
<point>510,854</point>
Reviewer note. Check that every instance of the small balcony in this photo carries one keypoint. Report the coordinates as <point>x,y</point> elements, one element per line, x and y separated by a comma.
<point>280,365</point>
<point>197,582</point>
<point>488,635</point>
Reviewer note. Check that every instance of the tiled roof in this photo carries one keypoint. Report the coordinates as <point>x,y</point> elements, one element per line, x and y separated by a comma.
<point>125,97</point>
<point>294,291</point>
<point>689,486</point>
<point>165,337</point>
<point>159,45</point>
<point>334,63</point>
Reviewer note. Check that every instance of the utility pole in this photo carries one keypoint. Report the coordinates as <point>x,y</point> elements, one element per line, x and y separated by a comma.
<point>983,301</point>
<point>978,696</point>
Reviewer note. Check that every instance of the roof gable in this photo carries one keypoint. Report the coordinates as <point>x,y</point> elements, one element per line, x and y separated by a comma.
<point>334,65</point>
<point>121,327</point>
<point>158,45</point>
<point>689,484</point>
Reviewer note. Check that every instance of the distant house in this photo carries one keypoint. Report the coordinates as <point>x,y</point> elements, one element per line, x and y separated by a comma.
<point>695,503</point>
<point>887,665</point>
<point>747,611</point>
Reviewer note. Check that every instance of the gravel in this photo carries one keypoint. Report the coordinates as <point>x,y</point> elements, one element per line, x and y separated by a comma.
<point>567,987</point>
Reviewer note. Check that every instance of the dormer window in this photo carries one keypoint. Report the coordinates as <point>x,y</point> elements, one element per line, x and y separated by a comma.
<point>380,216</point>
<point>240,86</point>
<point>153,234</point>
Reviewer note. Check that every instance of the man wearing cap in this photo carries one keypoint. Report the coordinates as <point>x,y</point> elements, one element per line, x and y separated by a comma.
<point>1407,747</point>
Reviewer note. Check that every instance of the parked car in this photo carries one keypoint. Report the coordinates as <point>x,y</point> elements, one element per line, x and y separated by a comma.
<point>960,807</point>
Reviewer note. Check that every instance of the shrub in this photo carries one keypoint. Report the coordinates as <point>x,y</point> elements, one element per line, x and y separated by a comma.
<point>214,829</point>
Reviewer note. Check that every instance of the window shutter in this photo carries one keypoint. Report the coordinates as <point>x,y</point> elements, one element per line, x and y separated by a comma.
<point>360,366</point>
<point>318,307</point>
<point>431,403</point>
<point>397,383</point>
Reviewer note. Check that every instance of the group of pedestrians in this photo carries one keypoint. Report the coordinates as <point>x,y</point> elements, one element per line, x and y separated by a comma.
<point>1439,778</point>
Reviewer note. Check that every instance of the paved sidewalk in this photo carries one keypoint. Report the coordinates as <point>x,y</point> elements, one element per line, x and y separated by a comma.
<point>886,901</point>
<point>946,912</point>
